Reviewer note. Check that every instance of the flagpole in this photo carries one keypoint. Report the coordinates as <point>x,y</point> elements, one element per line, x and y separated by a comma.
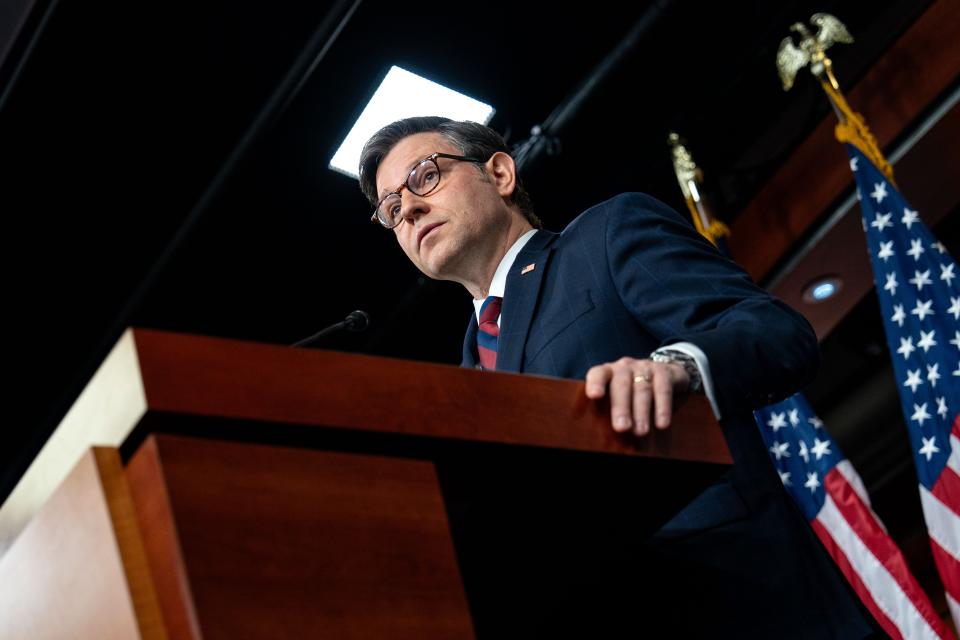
<point>852,128</point>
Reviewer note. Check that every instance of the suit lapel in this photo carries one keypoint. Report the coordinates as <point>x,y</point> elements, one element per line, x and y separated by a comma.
<point>520,300</point>
<point>470,357</point>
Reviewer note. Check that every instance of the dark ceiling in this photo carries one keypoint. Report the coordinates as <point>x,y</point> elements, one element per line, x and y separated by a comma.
<point>117,116</point>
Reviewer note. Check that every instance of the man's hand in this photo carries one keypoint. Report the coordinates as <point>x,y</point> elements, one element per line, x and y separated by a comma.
<point>638,387</point>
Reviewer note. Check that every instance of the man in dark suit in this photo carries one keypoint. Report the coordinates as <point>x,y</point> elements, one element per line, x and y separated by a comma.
<point>630,298</point>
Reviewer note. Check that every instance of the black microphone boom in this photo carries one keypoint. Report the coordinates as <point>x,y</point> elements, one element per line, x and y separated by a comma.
<point>355,321</point>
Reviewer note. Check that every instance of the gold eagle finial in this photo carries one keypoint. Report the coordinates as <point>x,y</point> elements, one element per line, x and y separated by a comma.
<point>689,177</point>
<point>851,127</point>
<point>684,167</point>
<point>812,48</point>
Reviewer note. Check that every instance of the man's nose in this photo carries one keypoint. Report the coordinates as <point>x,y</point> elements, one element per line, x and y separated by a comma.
<point>412,207</point>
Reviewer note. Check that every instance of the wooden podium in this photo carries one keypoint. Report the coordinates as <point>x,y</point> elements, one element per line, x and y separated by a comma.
<point>210,488</point>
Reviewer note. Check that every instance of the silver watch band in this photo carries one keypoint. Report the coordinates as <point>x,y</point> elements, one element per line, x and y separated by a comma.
<point>686,361</point>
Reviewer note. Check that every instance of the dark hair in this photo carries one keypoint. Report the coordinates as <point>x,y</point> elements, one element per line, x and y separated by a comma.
<point>472,139</point>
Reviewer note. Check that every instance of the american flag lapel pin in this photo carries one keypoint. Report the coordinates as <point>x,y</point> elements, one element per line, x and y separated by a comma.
<point>527,269</point>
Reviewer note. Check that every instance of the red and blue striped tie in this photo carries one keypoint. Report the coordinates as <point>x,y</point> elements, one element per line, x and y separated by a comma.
<point>488,332</point>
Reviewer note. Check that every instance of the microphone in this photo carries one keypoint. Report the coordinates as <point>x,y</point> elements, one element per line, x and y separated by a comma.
<point>355,321</point>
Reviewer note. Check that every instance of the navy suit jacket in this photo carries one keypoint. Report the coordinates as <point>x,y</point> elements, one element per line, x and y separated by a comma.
<point>631,275</point>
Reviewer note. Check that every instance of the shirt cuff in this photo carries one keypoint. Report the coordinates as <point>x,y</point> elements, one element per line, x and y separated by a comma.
<point>703,365</point>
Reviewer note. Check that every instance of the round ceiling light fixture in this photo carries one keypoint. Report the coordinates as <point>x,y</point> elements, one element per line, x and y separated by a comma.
<point>822,289</point>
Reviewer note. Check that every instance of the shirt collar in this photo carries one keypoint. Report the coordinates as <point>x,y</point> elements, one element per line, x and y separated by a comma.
<point>499,283</point>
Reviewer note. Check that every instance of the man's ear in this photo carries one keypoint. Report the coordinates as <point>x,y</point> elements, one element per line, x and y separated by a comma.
<point>503,173</point>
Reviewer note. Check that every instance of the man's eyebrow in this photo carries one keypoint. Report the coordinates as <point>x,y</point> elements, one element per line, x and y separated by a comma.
<point>384,192</point>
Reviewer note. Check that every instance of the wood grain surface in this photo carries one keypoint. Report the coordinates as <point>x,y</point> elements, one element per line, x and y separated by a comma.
<point>79,569</point>
<point>278,542</point>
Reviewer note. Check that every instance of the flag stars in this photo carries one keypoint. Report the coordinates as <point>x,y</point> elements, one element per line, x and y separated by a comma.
<point>820,448</point>
<point>956,339</point>
<point>920,414</point>
<point>929,447</point>
<point>922,310</point>
<point>909,217</point>
<point>785,478</point>
<point>899,315</point>
<point>926,341</point>
<point>804,452</point>
<point>794,417</point>
<point>946,273</point>
<point>777,421</point>
<point>939,247</point>
<point>891,284</point>
<point>920,279</point>
<point>913,380</point>
<point>906,347</point>
<point>954,309</point>
<point>956,371</point>
<point>853,164</point>
<point>916,248</point>
<point>780,450</point>
<point>879,191</point>
<point>942,407</point>
<point>886,251</point>
<point>882,221</point>
<point>812,481</point>
<point>932,374</point>
<point>816,422</point>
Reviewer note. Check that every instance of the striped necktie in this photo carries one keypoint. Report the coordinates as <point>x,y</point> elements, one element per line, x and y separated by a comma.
<point>488,332</point>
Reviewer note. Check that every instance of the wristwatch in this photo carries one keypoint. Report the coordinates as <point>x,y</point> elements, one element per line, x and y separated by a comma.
<point>686,361</point>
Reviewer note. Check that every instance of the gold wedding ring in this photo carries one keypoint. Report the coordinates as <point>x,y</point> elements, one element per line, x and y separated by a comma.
<point>641,378</point>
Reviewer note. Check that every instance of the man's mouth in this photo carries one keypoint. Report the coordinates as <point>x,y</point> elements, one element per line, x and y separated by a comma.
<point>427,229</point>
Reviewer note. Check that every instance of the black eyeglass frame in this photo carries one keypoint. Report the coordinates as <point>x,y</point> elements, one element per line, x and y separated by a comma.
<point>432,158</point>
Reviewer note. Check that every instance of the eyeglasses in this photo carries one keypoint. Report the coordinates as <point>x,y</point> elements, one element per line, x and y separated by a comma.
<point>422,180</point>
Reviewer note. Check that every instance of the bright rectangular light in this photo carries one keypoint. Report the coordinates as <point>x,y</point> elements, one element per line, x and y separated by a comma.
<point>402,95</point>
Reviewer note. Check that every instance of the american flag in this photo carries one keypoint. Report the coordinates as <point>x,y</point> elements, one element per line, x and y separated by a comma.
<point>832,497</point>
<point>919,289</point>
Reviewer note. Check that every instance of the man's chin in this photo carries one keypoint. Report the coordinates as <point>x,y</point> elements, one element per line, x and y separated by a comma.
<point>435,265</point>
<point>439,272</point>
<point>433,274</point>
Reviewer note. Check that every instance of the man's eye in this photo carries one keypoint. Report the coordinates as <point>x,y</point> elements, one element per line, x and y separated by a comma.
<point>395,210</point>
<point>425,178</point>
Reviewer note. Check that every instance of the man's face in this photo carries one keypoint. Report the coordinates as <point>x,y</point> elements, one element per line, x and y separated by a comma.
<point>458,227</point>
